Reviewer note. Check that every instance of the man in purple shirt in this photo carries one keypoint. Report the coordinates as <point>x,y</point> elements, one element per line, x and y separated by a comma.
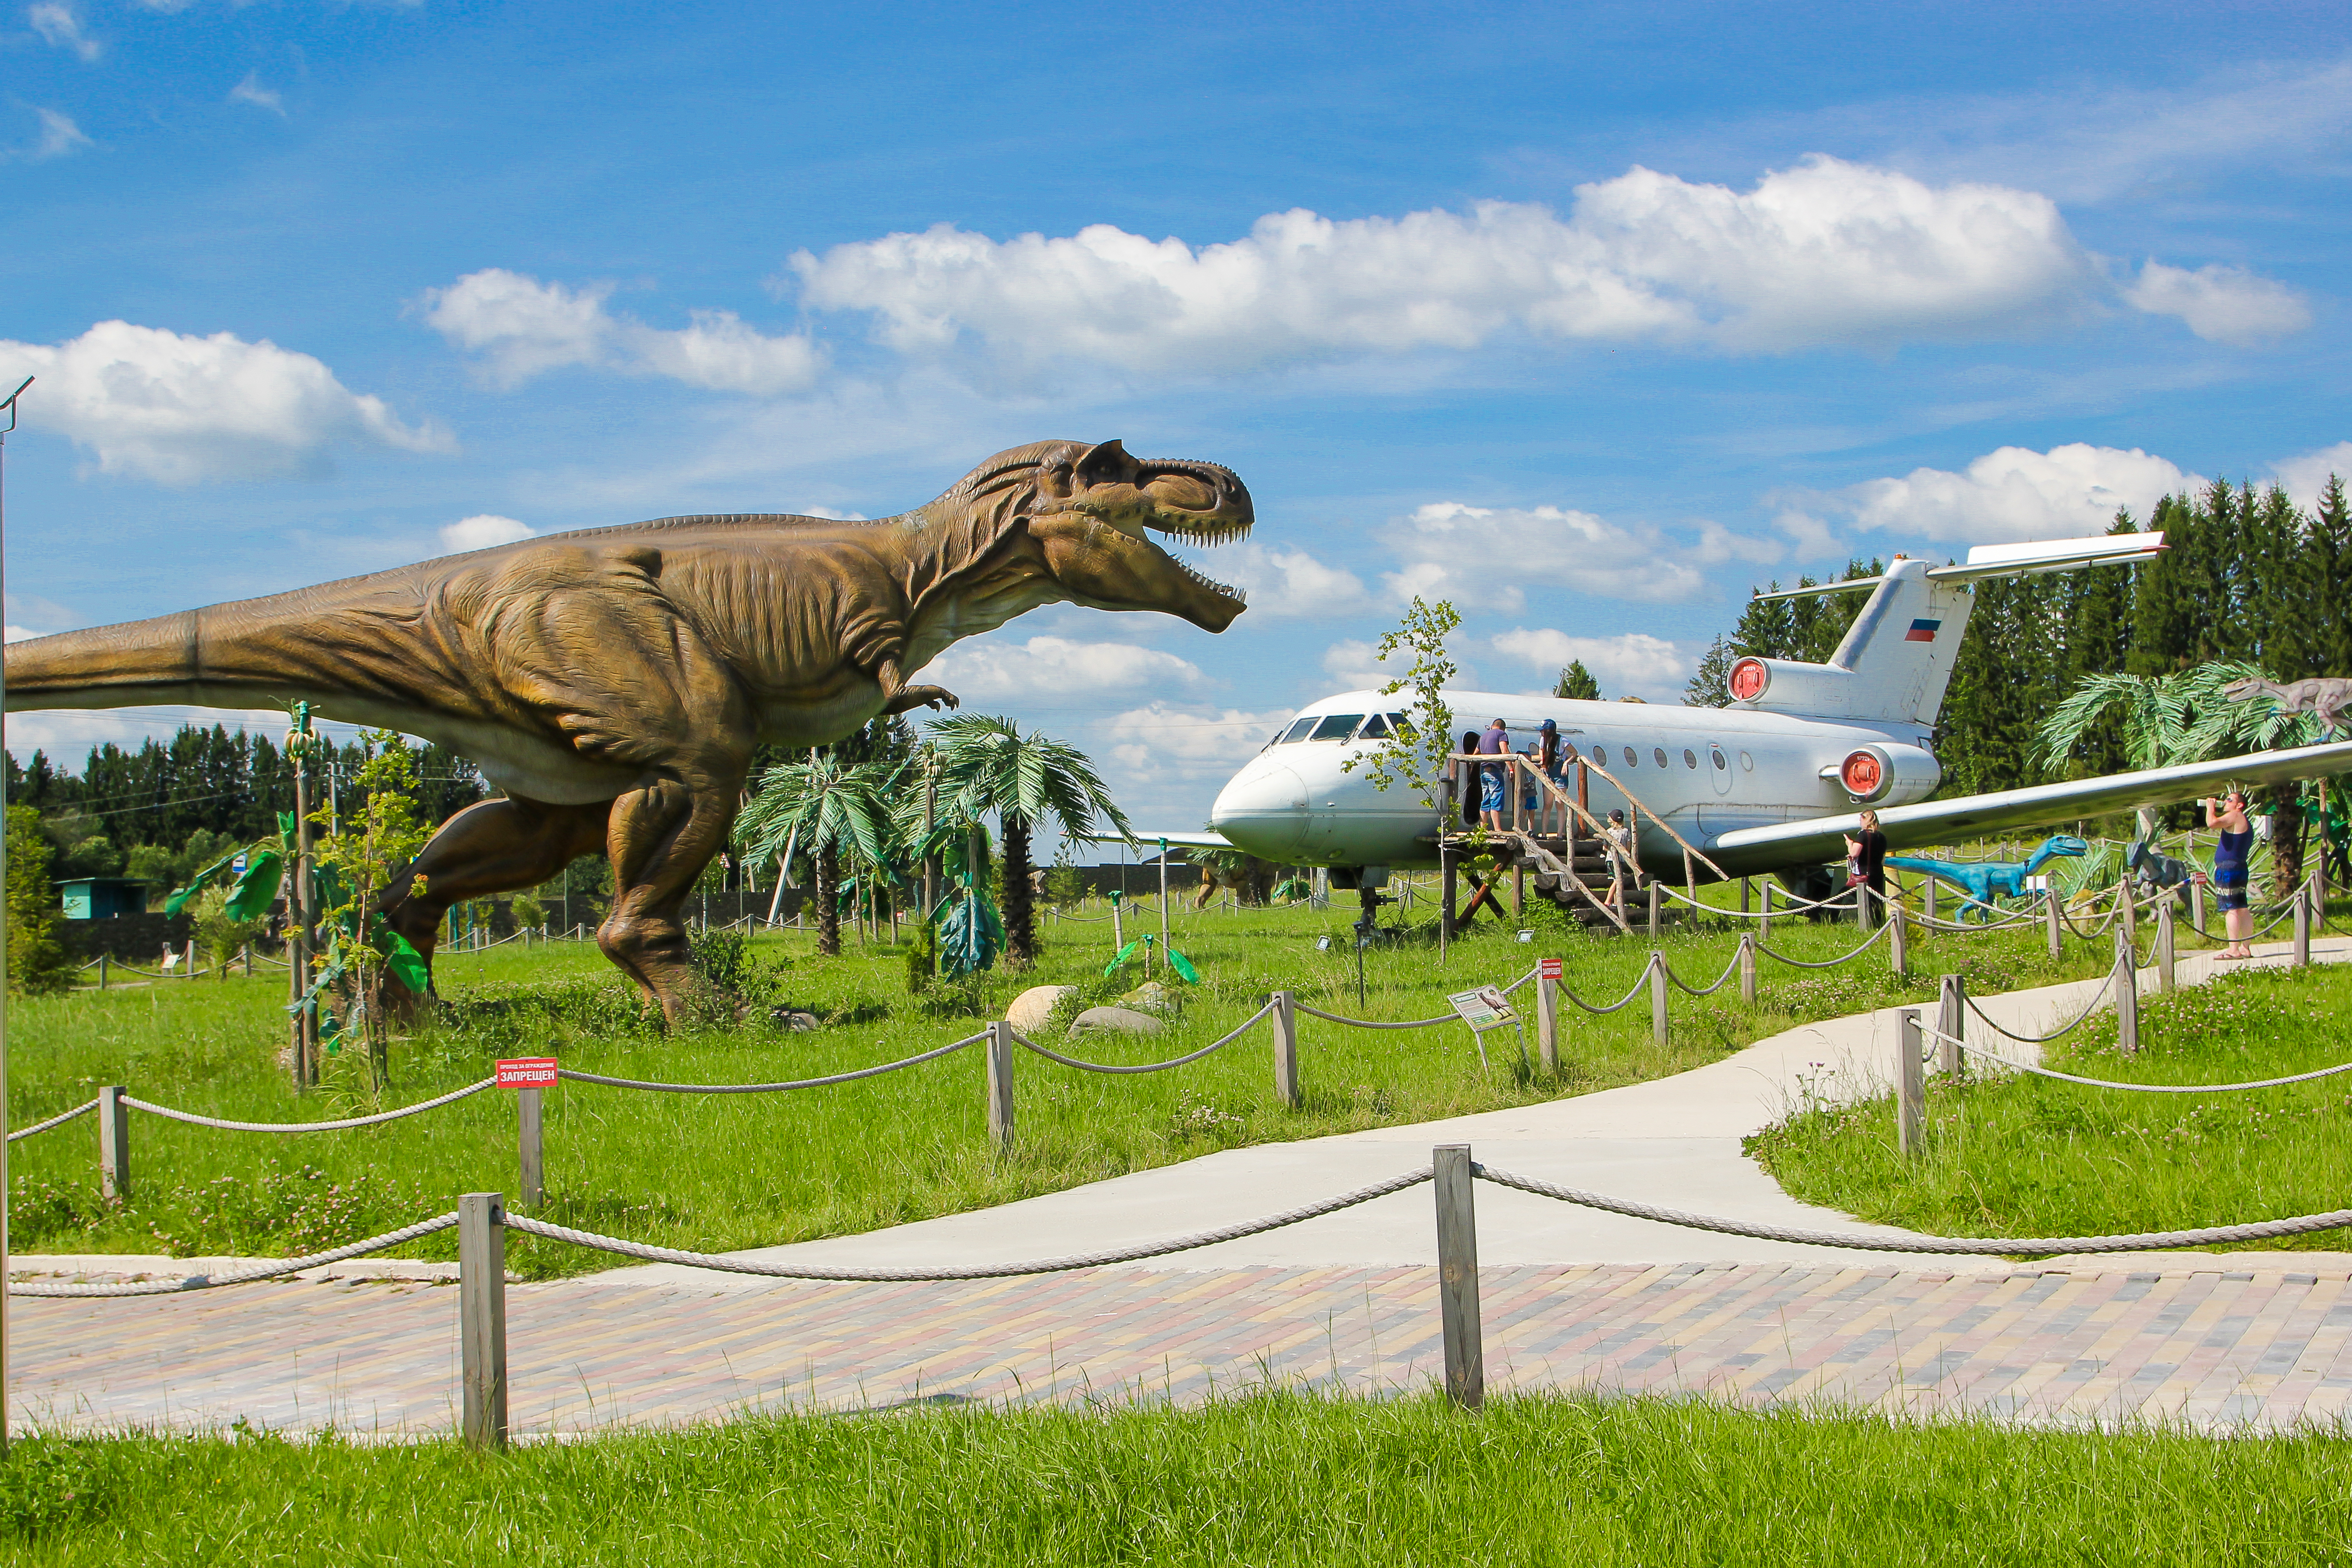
<point>1493,743</point>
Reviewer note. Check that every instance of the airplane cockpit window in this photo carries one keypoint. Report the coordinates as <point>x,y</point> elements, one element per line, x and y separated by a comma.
<point>1337,726</point>
<point>1299,730</point>
<point>1376,728</point>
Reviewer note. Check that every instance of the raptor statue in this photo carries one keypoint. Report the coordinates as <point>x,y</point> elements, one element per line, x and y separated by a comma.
<point>1985,880</point>
<point>615,683</point>
<point>2324,696</point>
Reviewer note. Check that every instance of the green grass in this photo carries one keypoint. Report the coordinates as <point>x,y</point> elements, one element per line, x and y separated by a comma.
<point>722,1173</point>
<point>2019,1155</point>
<point>1275,1479</point>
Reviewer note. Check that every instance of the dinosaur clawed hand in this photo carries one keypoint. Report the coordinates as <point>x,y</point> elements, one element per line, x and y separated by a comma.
<point>913,697</point>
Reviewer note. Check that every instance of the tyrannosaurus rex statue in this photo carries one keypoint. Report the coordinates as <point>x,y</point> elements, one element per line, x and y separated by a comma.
<point>614,682</point>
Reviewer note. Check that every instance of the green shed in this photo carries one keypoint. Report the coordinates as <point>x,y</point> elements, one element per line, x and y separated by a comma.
<point>100,898</point>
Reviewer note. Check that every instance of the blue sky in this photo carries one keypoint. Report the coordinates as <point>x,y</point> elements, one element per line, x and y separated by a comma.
<point>1587,316</point>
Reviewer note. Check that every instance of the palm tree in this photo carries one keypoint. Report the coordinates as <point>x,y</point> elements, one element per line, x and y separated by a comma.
<point>2189,717</point>
<point>987,764</point>
<point>824,805</point>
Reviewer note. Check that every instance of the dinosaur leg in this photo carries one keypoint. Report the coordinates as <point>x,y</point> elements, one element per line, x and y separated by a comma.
<point>661,836</point>
<point>491,847</point>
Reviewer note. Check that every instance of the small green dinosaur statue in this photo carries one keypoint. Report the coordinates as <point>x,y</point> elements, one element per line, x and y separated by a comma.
<point>1985,880</point>
<point>615,683</point>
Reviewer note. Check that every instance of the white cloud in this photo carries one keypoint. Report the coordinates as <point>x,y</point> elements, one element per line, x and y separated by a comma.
<point>1285,582</point>
<point>57,25</point>
<point>1717,543</point>
<point>483,530</point>
<point>2226,304</point>
<point>1356,664</point>
<point>1634,660</point>
<point>178,409</point>
<point>60,136</point>
<point>990,671</point>
<point>1492,557</point>
<point>522,327</point>
<point>2015,493</point>
<point>1192,740</point>
<point>1824,253</point>
<point>2304,476</point>
<point>13,633</point>
<point>251,91</point>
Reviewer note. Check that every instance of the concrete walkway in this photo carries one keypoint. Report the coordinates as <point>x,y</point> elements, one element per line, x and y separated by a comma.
<point>1572,1297</point>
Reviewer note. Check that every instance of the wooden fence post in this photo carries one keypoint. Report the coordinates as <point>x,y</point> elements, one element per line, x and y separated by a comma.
<point>1458,1276</point>
<point>1747,967</point>
<point>103,960</point>
<point>1658,999</point>
<point>1910,1085</point>
<point>1951,1021</point>
<point>113,1142</point>
<point>2050,913</point>
<point>1865,909</point>
<point>1899,951</point>
<point>1546,1015</point>
<point>482,1315</point>
<point>532,1192</point>
<point>1764,924</point>
<point>1927,896</point>
<point>2126,984</point>
<point>1657,910</point>
<point>2301,927</point>
<point>2164,943</point>
<point>2196,903</point>
<point>1285,1050</point>
<point>2130,908</point>
<point>999,1086</point>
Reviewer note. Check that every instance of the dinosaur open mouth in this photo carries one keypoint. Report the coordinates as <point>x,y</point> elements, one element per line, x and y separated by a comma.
<point>1210,534</point>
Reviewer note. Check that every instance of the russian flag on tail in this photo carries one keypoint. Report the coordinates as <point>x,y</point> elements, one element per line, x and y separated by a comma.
<point>1922,631</point>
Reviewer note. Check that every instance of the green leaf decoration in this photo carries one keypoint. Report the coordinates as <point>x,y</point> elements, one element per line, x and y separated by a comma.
<point>1183,966</point>
<point>403,961</point>
<point>1124,954</point>
<point>180,896</point>
<point>257,888</point>
<point>286,826</point>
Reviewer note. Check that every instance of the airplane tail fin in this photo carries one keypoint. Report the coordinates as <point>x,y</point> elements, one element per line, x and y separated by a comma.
<point>1897,657</point>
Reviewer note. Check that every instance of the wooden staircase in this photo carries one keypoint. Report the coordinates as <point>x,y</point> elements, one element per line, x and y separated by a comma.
<point>1573,873</point>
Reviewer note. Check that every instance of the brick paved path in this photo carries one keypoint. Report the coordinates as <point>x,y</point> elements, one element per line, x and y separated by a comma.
<point>2222,1350</point>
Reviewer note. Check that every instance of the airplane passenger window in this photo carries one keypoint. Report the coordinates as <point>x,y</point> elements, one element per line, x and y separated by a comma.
<point>1298,731</point>
<point>1659,752</point>
<point>1717,753</point>
<point>1633,758</point>
<point>1376,728</point>
<point>1600,756</point>
<point>1337,726</point>
<point>1690,758</point>
<point>1746,763</point>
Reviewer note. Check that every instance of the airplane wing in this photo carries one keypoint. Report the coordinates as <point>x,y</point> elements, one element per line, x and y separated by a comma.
<point>1820,840</point>
<point>1144,837</point>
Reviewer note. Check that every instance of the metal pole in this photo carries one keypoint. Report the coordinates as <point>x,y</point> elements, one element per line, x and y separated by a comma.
<point>1285,1050</point>
<point>532,1191</point>
<point>1951,1021</point>
<point>1658,999</point>
<point>11,407</point>
<point>2164,943</point>
<point>482,1315</point>
<point>2127,985</point>
<point>1547,1020</point>
<point>1898,953</point>
<point>1163,907</point>
<point>1911,1084</point>
<point>1747,967</point>
<point>2301,927</point>
<point>113,1142</point>
<point>1764,926</point>
<point>2049,914</point>
<point>1458,1276</point>
<point>999,1086</point>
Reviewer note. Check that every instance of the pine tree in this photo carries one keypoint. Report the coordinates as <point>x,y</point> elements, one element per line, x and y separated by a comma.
<point>1710,684</point>
<point>1576,681</point>
<point>2330,543</point>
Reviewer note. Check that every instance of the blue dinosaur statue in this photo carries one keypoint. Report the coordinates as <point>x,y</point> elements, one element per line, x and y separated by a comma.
<point>1983,880</point>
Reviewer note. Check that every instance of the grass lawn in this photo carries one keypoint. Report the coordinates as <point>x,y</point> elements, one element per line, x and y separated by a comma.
<point>2019,1155</point>
<point>1272,1479</point>
<point>721,1172</point>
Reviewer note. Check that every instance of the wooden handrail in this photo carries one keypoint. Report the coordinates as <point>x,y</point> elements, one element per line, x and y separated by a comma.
<point>1689,851</point>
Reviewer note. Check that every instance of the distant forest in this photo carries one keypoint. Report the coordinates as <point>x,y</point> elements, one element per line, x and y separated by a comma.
<point>2246,573</point>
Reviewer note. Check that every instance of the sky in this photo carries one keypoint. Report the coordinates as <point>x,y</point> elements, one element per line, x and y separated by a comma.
<point>1588,318</point>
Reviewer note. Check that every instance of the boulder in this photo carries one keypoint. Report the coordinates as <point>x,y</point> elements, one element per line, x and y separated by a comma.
<point>1117,1021</point>
<point>1155,998</point>
<point>796,1020</point>
<point>1032,1007</point>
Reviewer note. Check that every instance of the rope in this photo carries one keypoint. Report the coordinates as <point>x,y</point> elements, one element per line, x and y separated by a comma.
<point>1371,1023</point>
<point>983,1271</point>
<point>273,1271</point>
<point>769,1088</point>
<point>57,1121</point>
<point>1152,1066</point>
<point>1721,980</point>
<point>2097,997</point>
<point>1827,964</point>
<point>1798,907</point>
<point>2145,1241</point>
<point>193,1119</point>
<point>2144,1088</point>
<point>1627,1000</point>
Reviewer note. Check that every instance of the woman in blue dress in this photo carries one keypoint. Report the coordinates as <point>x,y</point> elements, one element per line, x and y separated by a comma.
<point>2230,874</point>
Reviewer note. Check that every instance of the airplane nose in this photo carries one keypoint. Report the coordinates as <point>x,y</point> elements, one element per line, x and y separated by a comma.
<point>1262,810</point>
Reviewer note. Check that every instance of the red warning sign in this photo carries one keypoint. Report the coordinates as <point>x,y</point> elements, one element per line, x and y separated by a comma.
<point>526,1072</point>
<point>1551,968</point>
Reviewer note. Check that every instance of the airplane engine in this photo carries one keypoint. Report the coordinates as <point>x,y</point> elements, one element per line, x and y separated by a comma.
<point>1889,773</point>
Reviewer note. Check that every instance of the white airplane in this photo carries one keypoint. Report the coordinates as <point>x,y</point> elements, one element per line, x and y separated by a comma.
<point>1770,785</point>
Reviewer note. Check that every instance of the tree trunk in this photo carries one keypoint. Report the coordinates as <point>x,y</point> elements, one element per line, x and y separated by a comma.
<point>2286,839</point>
<point>1020,906</point>
<point>828,906</point>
